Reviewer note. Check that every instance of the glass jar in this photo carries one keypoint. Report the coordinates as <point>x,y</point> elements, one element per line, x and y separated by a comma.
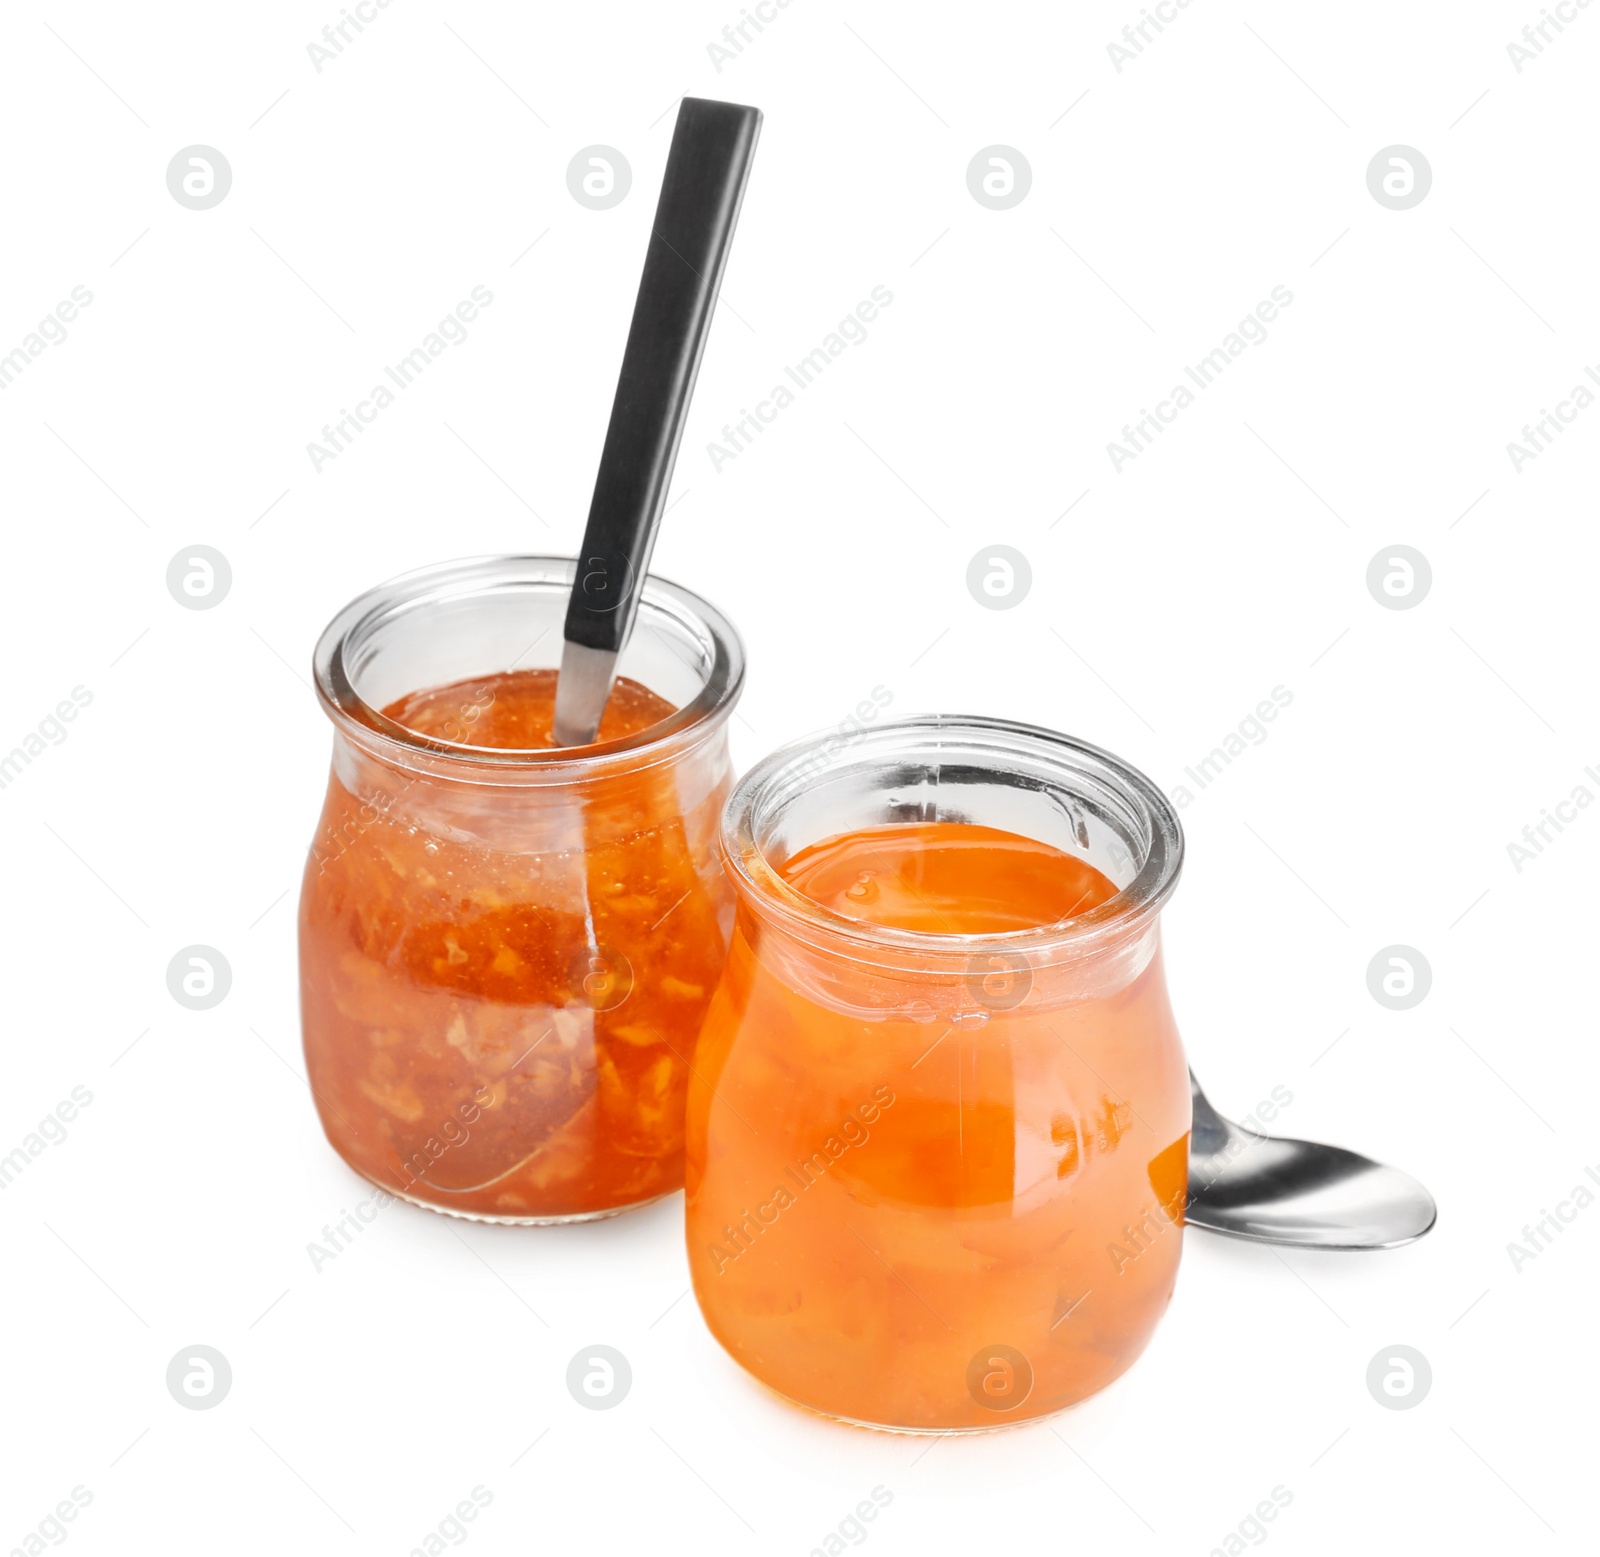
<point>936,1181</point>
<point>505,955</point>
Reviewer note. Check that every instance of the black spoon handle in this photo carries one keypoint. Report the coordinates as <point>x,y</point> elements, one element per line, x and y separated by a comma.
<point>707,167</point>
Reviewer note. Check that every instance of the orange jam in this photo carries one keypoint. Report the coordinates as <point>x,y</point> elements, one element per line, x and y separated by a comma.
<point>946,878</point>
<point>925,1199</point>
<point>501,988</point>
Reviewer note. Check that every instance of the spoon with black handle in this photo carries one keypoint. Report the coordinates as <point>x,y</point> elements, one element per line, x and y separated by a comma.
<point>707,168</point>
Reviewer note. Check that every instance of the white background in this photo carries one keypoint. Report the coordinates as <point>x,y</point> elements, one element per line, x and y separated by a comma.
<point>1167,200</point>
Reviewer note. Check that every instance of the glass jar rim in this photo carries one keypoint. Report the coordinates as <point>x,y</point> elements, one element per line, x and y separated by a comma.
<point>449,582</point>
<point>1132,909</point>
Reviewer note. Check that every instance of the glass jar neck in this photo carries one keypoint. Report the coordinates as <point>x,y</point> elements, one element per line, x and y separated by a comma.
<point>551,817</point>
<point>1011,777</point>
<point>484,617</point>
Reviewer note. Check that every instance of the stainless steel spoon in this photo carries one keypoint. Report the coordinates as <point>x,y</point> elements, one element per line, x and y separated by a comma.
<point>1300,1193</point>
<point>707,168</point>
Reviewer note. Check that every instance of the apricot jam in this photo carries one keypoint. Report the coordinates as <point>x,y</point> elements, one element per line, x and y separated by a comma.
<point>501,988</point>
<point>938,1125</point>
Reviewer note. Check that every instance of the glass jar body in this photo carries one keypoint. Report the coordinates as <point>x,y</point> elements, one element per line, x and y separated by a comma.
<point>928,1191</point>
<point>504,965</point>
<point>499,1008</point>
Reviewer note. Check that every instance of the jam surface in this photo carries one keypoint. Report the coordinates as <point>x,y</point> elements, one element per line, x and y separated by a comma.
<point>946,878</point>
<point>957,1200</point>
<point>501,987</point>
<point>516,710</point>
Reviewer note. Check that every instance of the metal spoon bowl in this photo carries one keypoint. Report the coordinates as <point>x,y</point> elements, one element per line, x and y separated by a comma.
<point>1299,1193</point>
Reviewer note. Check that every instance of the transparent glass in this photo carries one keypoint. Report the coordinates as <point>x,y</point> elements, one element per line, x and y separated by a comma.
<point>936,1181</point>
<point>505,955</point>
